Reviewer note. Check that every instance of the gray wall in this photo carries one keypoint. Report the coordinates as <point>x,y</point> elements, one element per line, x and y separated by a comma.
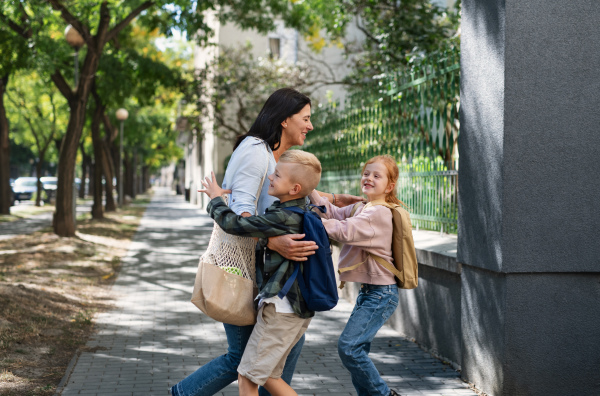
<point>552,136</point>
<point>529,224</point>
<point>430,314</point>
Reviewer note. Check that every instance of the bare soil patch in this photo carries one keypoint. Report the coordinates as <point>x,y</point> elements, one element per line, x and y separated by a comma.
<point>50,290</point>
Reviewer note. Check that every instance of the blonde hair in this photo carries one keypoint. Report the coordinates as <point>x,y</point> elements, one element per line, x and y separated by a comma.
<point>392,169</point>
<point>308,174</point>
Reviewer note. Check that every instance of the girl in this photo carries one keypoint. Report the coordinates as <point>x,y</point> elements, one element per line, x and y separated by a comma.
<point>369,230</point>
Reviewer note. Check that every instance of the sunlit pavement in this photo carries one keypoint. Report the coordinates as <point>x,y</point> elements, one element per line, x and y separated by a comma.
<point>36,222</point>
<point>155,337</point>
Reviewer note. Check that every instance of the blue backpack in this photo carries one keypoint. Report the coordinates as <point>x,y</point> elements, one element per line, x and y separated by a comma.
<point>317,278</point>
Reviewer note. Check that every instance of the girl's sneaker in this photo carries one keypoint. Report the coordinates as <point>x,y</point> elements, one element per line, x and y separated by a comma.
<point>394,393</point>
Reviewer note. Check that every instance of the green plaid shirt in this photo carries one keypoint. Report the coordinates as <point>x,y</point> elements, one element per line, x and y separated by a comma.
<point>276,269</point>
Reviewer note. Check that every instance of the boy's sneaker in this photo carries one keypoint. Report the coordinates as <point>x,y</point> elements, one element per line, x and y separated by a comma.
<point>394,393</point>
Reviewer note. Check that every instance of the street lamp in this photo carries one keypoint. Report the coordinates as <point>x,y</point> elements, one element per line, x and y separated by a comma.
<point>122,115</point>
<point>76,41</point>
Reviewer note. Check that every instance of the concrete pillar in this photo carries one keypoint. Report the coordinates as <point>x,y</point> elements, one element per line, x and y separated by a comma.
<point>529,217</point>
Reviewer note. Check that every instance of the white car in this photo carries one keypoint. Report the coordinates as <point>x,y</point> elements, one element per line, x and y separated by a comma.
<point>49,185</point>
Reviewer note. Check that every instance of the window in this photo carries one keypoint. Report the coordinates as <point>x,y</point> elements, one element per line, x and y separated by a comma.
<point>274,48</point>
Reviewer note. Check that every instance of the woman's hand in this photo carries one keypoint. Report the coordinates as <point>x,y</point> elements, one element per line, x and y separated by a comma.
<point>291,248</point>
<point>342,200</point>
<point>211,188</point>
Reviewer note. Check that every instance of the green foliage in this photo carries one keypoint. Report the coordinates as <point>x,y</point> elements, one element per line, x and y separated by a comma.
<point>37,112</point>
<point>146,81</point>
<point>135,69</point>
<point>13,51</point>
<point>396,34</point>
<point>150,132</point>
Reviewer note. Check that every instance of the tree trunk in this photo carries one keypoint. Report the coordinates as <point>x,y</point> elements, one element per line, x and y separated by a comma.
<point>40,189</point>
<point>107,162</point>
<point>134,174</point>
<point>108,169</point>
<point>90,186</point>
<point>126,175</point>
<point>86,165</point>
<point>145,179</point>
<point>64,217</point>
<point>97,212</point>
<point>5,195</point>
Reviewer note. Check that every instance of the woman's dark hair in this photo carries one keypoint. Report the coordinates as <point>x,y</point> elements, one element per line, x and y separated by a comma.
<point>283,103</point>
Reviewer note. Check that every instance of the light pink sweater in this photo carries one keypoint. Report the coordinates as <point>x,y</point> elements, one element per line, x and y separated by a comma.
<point>368,231</point>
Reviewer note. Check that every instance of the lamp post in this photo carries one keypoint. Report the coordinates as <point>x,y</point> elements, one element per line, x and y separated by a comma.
<point>122,115</point>
<point>76,41</point>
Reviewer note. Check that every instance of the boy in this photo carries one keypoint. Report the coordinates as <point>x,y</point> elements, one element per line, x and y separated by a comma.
<point>280,322</point>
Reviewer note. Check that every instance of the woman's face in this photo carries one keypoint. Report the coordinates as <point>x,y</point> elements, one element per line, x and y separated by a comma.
<point>295,128</point>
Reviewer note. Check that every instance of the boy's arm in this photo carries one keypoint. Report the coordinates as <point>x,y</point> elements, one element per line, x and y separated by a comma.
<point>268,225</point>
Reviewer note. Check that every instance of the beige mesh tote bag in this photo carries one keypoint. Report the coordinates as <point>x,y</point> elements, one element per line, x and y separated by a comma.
<point>225,284</point>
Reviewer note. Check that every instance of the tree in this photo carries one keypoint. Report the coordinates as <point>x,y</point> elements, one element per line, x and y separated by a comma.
<point>14,55</point>
<point>38,112</point>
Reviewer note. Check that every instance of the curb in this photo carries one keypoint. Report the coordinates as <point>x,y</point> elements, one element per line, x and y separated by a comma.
<point>65,379</point>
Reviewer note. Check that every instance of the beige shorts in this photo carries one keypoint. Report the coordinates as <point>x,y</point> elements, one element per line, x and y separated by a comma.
<point>270,343</point>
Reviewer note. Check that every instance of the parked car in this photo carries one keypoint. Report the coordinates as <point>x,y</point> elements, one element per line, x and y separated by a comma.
<point>49,185</point>
<point>24,188</point>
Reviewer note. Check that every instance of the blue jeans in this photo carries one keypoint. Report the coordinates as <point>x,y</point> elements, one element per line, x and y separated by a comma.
<point>222,371</point>
<point>374,305</point>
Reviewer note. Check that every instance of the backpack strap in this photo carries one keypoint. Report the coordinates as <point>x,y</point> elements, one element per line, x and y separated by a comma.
<point>386,265</point>
<point>354,208</point>
<point>355,266</point>
<point>352,267</point>
<point>288,284</point>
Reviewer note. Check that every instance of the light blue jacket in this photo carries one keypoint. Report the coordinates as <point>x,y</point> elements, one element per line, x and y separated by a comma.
<point>244,173</point>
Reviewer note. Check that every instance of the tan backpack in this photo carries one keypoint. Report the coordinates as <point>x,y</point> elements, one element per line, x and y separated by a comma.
<point>405,268</point>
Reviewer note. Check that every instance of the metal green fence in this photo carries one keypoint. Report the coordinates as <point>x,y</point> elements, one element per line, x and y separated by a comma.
<point>430,195</point>
<point>412,116</point>
<point>431,198</point>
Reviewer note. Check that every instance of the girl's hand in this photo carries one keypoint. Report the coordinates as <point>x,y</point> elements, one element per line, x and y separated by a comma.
<point>211,188</point>
<point>342,200</point>
<point>292,249</point>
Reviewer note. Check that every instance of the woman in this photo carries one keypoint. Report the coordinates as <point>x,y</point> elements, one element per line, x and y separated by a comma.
<point>282,123</point>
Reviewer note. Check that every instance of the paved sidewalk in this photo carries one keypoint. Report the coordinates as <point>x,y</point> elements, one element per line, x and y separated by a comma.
<point>155,336</point>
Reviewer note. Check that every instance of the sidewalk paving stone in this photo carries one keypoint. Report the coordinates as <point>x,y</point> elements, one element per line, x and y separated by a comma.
<point>154,336</point>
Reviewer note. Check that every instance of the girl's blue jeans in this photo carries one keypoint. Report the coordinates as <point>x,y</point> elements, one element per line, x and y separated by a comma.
<point>222,371</point>
<point>374,305</point>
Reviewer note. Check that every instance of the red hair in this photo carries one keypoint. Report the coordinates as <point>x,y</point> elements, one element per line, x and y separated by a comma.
<point>392,173</point>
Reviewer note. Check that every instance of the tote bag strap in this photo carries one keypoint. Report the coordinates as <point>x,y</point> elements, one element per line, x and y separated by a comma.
<point>262,182</point>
